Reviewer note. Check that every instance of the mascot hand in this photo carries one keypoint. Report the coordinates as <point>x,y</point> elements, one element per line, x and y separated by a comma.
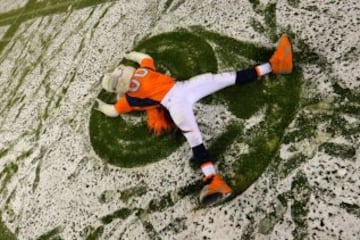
<point>107,109</point>
<point>98,104</point>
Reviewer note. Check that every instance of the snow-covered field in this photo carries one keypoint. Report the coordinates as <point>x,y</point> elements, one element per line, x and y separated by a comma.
<point>53,184</point>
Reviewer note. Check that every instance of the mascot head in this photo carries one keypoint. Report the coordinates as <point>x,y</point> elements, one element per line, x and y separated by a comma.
<point>119,80</point>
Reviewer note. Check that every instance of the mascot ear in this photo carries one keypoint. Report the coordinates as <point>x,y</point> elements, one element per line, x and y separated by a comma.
<point>122,76</point>
<point>106,83</point>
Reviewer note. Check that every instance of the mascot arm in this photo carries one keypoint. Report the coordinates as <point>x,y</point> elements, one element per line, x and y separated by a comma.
<point>137,56</point>
<point>107,109</point>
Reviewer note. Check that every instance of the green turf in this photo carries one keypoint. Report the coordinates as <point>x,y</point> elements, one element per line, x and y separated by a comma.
<point>122,213</point>
<point>5,234</point>
<point>94,234</point>
<point>51,235</point>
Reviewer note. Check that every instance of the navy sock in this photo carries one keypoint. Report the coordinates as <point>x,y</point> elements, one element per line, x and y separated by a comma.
<point>247,75</point>
<point>201,155</point>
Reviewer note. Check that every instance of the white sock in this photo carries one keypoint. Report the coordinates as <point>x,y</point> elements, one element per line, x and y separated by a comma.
<point>208,169</point>
<point>263,69</point>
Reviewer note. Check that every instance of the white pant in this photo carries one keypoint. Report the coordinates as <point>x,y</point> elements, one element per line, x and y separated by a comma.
<point>181,98</point>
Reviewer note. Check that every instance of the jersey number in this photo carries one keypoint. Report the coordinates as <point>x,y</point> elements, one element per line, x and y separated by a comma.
<point>134,83</point>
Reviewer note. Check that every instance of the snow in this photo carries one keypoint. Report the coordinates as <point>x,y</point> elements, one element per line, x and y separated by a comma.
<point>37,72</point>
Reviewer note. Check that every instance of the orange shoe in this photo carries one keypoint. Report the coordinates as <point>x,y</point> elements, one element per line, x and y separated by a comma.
<point>215,191</point>
<point>282,59</point>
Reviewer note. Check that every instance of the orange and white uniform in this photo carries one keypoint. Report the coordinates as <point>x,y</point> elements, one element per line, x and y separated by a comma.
<point>147,88</point>
<point>182,97</point>
<point>150,89</point>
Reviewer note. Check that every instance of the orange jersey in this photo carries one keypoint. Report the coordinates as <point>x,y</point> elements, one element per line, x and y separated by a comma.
<point>147,88</point>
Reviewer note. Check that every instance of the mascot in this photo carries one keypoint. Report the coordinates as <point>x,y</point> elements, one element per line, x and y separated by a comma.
<point>169,104</point>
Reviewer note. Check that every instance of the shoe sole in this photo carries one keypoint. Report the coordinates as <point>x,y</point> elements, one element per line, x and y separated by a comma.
<point>215,199</point>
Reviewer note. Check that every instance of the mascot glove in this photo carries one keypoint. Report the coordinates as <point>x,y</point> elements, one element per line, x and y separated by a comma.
<point>107,109</point>
<point>98,104</point>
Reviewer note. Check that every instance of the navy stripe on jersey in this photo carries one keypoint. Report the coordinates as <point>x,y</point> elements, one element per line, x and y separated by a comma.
<point>141,102</point>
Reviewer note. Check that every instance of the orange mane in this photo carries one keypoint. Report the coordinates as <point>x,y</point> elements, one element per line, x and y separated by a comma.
<point>159,120</point>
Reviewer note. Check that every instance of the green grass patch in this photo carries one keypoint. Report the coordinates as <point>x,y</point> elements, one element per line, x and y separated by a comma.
<point>338,150</point>
<point>122,213</point>
<point>255,5</point>
<point>182,53</point>
<point>5,233</point>
<point>7,174</point>
<point>3,152</point>
<point>301,192</point>
<point>150,230</point>
<point>95,234</point>
<point>270,19</point>
<point>129,193</point>
<point>294,3</point>
<point>286,167</point>
<point>127,145</point>
<point>276,215</point>
<point>167,5</point>
<point>162,203</point>
<point>51,235</point>
<point>353,209</point>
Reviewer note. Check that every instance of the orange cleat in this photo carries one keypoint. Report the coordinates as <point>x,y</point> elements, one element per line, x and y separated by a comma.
<point>215,191</point>
<point>282,59</point>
